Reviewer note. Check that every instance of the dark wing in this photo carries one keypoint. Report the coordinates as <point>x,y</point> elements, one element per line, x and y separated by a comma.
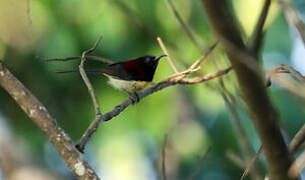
<point>135,70</point>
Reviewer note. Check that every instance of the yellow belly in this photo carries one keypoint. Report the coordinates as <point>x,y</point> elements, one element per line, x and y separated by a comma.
<point>127,86</point>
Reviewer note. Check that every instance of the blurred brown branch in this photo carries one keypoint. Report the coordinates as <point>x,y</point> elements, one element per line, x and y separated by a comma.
<point>299,163</point>
<point>257,42</point>
<point>258,33</point>
<point>292,17</point>
<point>184,26</point>
<point>198,165</point>
<point>251,164</point>
<point>263,114</point>
<point>40,116</point>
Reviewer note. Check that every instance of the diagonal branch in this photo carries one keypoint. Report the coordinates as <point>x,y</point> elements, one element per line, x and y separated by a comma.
<point>86,79</point>
<point>164,49</point>
<point>198,164</point>
<point>258,33</point>
<point>293,18</point>
<point>121,107</point>
<point>264,116</point>
<point>40,116</point>
<point>184,26</point>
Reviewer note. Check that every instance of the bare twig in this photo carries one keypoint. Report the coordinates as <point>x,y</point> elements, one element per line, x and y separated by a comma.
<point>258,33</point>
<point>252,162</point>
<point>297,141</point>
<point>171,62</point>
<point>293,18</point>
<point>157,87</point>
<point>95,58</point>
<point>242,135</point>
<point>294,144</point>
<point>206,54</point>
<point>237,160</point>
<point>184,26</point>
<point>164,177</point>
<point>195,66</point>
<point>40,116</point>
<point>197,166</point>
<point>297,166</point>
<point>299,163</point>
<point>86,79</point>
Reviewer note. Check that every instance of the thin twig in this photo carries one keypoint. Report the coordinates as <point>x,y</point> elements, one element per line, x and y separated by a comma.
<point>297,141</point>
<point>196,80</point>
<point>197,166</point>
<point>294,144</point>
<point>171,62</point>
<point>184,26</point>
<point>206,54</point>
<point>297,166</point>
<point>242,135</point>
<point>292,17</point>
<point>237,160</point>
<point>195,66</point>
<point>258,33</point>
<point>164,177</point>
<point>252,162</point>
<point>157,87</point>
<point>86,79</point>
<point>40,116</point>
<point>95,58</point>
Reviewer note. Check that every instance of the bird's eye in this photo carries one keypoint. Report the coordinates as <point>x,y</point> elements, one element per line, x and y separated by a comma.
<point>147,59</point>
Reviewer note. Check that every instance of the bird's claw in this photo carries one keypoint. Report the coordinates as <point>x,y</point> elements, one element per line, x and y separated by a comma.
<point>134,98</point>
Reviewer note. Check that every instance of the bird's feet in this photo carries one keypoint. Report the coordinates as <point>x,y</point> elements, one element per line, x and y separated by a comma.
<point>134,97</point>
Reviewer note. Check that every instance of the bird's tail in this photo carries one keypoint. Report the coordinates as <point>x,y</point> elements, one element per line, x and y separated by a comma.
<point>76,70</point>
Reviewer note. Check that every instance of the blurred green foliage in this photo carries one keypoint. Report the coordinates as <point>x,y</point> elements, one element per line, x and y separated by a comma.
<point>128,147</point>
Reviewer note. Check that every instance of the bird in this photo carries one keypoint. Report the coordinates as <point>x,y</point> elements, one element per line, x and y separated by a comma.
<point>129,76</point>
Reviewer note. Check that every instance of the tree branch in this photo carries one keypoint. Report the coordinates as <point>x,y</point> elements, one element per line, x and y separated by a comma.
<point>184,26</point>
<point>258,33</point>
<point>40,116</point>
<point>95,58</point>
<point>121,107</point>
<point>86,79</point>
<point>164,49</point>
<point>253,88</point>
<point>293,18</point>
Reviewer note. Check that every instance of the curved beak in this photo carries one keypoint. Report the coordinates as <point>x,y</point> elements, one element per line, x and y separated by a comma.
<point>159,57</point>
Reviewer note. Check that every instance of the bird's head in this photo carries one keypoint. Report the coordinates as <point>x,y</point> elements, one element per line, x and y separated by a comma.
<point>150,60</point>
